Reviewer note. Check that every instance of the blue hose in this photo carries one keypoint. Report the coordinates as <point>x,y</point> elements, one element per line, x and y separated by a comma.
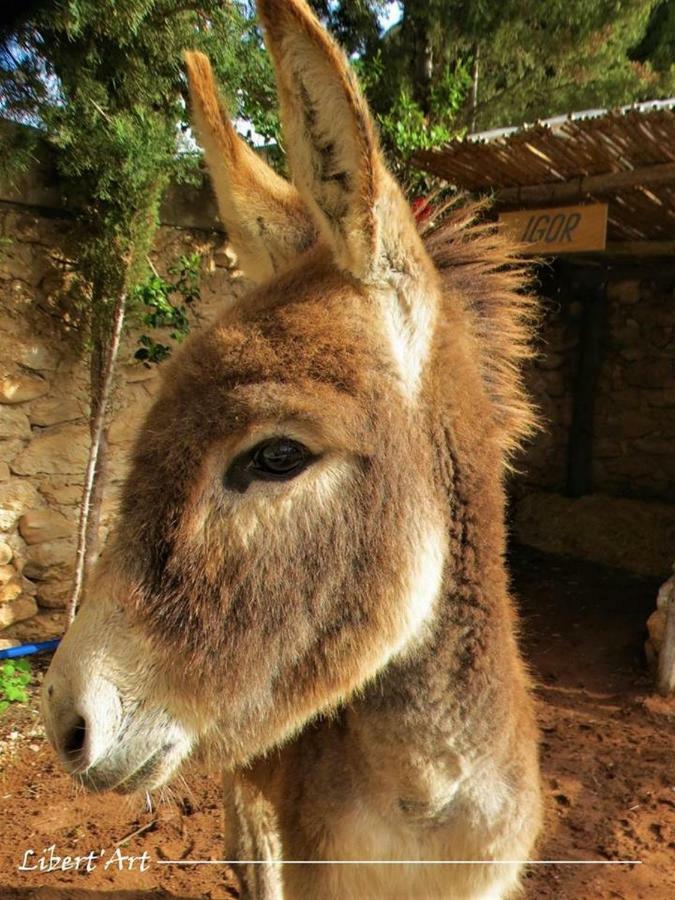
<point>29,649</point>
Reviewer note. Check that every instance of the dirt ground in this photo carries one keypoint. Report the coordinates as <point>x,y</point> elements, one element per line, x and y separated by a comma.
<point>608,756</point>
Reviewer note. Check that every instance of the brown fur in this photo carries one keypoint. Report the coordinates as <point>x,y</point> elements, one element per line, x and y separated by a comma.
<point>342,642</point>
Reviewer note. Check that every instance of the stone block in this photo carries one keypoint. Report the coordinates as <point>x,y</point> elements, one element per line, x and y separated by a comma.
<point>36,355</point>
<point>55,411</point>
<point>629,534</point>
<point>651,373</point>
<point>7,572</point>
<point>137,372</point>
<point>61,492</point>
<point>61,451</point>
<point>16,496</point>
<point>10,591</point>
<point>53,595</point>
<point>50,561</point>
<point>10,449</point>
<point>125,427</point>
<point>13,423</point>
<point>8,643</point>
<point>17,610</point>
<point>22,388</point>
<point>39,525</point>
<point>626,292</point>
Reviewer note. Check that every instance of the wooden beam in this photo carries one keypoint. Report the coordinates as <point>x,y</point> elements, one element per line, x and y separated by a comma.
<point>591,339</point>
<point>596,185</point>
<point>640,248</point>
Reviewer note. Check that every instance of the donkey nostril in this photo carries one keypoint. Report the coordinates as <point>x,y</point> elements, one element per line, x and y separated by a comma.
<point>73,744</point>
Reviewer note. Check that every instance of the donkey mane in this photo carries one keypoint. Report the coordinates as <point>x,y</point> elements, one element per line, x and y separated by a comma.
<point>484,270</point>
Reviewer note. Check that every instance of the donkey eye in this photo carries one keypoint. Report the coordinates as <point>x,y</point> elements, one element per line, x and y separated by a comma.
<point>281,458</point>
<point>278,459</point>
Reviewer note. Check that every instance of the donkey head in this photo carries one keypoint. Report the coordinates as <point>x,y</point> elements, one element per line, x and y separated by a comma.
<point>282,536</point>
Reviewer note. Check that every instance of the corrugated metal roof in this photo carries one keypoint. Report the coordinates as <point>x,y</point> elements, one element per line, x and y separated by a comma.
<point>564,152</point>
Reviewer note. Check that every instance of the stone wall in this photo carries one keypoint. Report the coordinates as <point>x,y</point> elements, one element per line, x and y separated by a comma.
<point>43,402</point>
<point>634,422</point>
<point>634,448</point>
<point>44,435</point>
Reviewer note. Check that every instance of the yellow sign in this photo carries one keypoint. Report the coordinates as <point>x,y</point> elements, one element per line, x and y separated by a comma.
<point>563,229</point>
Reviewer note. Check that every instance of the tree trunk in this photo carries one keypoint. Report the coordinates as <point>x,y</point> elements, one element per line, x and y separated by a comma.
<point>421,52</point>
<point>106,335</point>
<point>474,87</point>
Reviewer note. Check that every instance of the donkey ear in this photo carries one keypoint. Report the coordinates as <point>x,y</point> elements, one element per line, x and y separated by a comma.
<point>330,138</point>
<point>339,170</point>
<point>266,220</point>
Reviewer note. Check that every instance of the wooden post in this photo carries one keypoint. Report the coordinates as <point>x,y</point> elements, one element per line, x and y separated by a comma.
<point>580,443</point>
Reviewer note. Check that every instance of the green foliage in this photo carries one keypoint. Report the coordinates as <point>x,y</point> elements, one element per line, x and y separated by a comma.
<point>405,128</point>
<point>533,59</point>
<point>545,58</point>
<point>165,304</point>
<point>103,82</point>
<point>15,676</point>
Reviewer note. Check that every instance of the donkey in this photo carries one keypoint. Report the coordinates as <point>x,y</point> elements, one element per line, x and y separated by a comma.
<point>307,575</point>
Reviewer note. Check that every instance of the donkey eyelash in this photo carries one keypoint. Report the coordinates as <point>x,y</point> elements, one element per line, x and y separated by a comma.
<point>274,459</point>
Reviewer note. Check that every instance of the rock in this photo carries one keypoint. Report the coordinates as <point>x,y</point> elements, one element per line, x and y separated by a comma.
<point>137,372</point>
<point>655,447</point>
<point>4,471</point>
<point>28,587</point>
<point>53,411</point>
<point>53,595</point>
<point>16,496</point>
<point>14,423</point>
<point>666,593</point>
<point>625,292</point>
<point>50,561</point>
<point>656,626</point>
<point>125,427</point>
<point>17,610</point>
<point>36,356</point>
<point>225,259</point>
<point>7,572</point>
<point>61,451</point>
<point>10,449</point>
<point>8,643</point>
<point>636,535</point>
<point>38,525</point>
<point>6,553</point>
<point>22,388</point>
<point>650,373</point>
<point>61,492</point>
<point>10,591</point>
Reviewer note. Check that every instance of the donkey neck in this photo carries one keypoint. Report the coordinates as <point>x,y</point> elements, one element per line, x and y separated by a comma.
<point>436,710</point>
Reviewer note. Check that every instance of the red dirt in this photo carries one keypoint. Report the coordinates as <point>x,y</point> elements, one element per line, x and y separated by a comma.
<point>607,753</point>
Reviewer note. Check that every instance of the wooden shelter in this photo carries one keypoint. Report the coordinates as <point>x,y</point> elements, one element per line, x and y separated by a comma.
<point>625,158</point>
<point>594,192</point>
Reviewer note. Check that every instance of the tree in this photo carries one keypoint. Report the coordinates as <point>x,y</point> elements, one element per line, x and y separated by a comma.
<point>448,66</point>
<point>547,58</point>
<point>103,82</point>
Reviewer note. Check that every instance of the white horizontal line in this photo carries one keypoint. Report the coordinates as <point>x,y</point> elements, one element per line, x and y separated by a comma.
<point>399,862</point>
